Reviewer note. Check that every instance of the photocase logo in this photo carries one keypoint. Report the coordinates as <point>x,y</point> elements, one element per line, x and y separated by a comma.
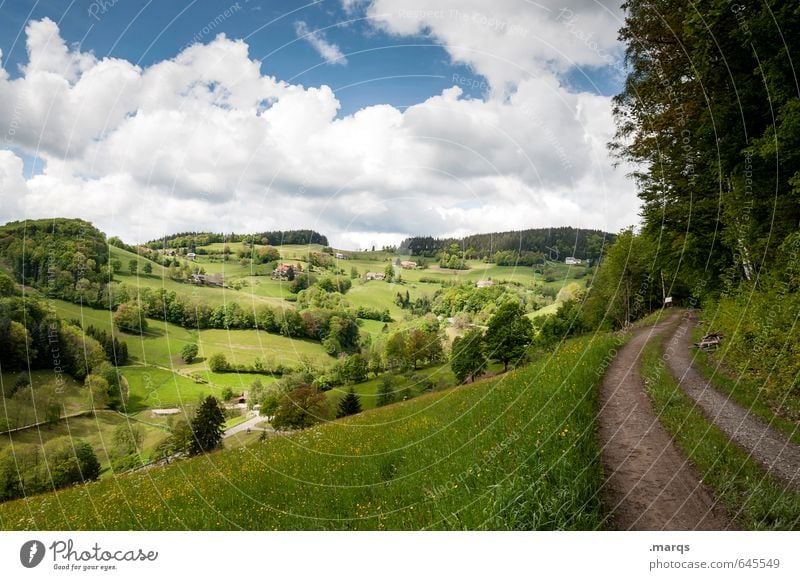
<point>31,553</point>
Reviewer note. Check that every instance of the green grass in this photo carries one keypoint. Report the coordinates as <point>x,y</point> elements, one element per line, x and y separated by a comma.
<point>404,386</point>
<point>233,421</point>
<point>96,429</point>
<point>753,498</point>
<point>511,453</point>
<point>745,391</point>
<point>154,388</point>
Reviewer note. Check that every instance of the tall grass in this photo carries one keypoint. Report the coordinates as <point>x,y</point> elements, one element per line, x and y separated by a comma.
<point>516,452</point>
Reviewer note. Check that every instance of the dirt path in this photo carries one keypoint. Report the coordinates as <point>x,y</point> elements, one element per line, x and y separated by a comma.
<point>649,485</point>
<point>770,448</point>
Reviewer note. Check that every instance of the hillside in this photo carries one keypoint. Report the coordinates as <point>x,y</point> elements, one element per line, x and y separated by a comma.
<point>516,452</point>
<point>551,243</point>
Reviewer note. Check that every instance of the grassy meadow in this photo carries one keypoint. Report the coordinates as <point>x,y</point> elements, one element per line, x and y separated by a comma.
<point>515,452</point>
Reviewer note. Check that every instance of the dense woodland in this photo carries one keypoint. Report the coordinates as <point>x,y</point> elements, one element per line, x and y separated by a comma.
<point>191,240</point>
<point>526,247</point>
<point>710,114</point>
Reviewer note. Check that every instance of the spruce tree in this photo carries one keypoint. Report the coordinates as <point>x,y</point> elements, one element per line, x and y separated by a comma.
<point>207,427</point>
<point>349,405</point>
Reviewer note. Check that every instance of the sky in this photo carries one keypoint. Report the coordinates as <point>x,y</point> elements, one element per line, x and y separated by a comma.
<point>366,120</point>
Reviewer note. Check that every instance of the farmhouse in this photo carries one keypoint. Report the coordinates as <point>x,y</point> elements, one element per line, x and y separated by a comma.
<point>408,265</point>
<point>484,283</point>
<point>283,270</point>
<point>340,256</point>
<point>191,255</point>
<point>572,261</point>
<point>375,276</point>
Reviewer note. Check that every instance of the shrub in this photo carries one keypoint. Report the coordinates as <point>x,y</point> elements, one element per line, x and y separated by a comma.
<point>217,363</point>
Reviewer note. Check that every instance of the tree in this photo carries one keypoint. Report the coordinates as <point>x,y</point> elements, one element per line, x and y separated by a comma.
<point>468,360</point>
<point>70,461</point>
<point>116,265</point>
<point>388,272</point>
<point>385,391</point>
<point>133,266</point>
<point>98,387</point>
<point>130,317</point>
<point>269,404</point>
<point>207,427</point>
<point>624,288</point>
<point>396,351</point>
<point>508,334</point>
<point>375,362</point>
<point>354,368</point>
<point>147,268</point>
<point>217,363</point>
<point>349,405</point>
<point>189,353</point>
<point>300,408</point>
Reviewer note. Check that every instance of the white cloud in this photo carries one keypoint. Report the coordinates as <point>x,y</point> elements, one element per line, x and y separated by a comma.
<point>327,50</point>
<point>508,41</point>
<point>205,141</point>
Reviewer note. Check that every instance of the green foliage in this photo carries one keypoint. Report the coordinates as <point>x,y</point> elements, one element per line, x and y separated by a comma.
<point>130,317</point>
<point>554,243</point>
<point>625,287</point>
<point>535,466</point>
<point>508,334</point>
<point>207,427</point>
<point>468,359</point>
<point>349,405</point>
<point>189,353</point>
<point>218,363</point>
<point>704,150</point>
<point>300,408</point>
<point>386,393</point>
<point>388,272</point>
<point>567,321</point>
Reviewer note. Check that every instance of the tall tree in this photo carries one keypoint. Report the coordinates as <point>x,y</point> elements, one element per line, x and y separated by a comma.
<point>468,360</point>
<point>349,405</point>
<point>207,426</point>
<point>508,334</point>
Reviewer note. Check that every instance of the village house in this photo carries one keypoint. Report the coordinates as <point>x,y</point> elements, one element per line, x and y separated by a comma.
<point>375,276</point>
<point>340,256</point>
<point>191,255</point>
<point>484,283</point>
<point>572,261</point>
<point>408,265</point>
<point>282,271</point>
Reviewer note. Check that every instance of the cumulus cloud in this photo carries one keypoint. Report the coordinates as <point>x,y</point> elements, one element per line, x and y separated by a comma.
<point>508,41</point>
<point>204,140</point>
<point>327,50</point>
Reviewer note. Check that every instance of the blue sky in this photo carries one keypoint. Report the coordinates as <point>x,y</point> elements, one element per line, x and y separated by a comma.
<point>426,95</point>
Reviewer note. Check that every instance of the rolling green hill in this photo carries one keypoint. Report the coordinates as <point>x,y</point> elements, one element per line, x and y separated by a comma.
<point>515,452</point>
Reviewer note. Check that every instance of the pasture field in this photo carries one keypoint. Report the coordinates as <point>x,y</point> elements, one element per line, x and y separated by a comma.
<point>515,452</point>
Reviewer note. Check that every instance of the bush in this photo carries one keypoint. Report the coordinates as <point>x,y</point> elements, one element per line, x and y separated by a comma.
<point>217,363</point>
<point>189,353</point>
